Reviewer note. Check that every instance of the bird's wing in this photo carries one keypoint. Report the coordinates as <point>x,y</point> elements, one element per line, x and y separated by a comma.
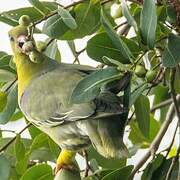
<point>47,99</point>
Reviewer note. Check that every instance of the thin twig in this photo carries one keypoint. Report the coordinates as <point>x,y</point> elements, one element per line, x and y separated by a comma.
<point>14,138</point>
<point>162,104</point>
<point>48,43</point>
<point>156,142</point>
<point>172,141</point>
<point>87,163</point>
<point>173,93</point>
<point>66,7</point>
<point>10,85</point>
<point>77,53</point>
<point>176,158</point>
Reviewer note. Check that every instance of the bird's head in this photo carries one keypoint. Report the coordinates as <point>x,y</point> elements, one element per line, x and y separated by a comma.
<point>18,37</point>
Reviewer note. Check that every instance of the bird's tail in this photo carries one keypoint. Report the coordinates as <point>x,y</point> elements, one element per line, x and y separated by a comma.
<point>106,136</point>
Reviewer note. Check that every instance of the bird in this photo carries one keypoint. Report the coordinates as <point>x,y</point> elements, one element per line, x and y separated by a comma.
<point>45,88</point>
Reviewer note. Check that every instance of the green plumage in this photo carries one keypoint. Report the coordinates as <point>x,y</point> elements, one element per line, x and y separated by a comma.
<point>45,100</point>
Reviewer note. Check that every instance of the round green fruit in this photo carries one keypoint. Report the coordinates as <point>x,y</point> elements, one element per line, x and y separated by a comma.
<point>40,45</point>
<point>28,46</point>
<point>35,57</point>
<point>150,75</point>
<point>140,71</point>
<point>24,20</point>
<point>116,11</point>
<point>3,100</point>
<point>65,174</point>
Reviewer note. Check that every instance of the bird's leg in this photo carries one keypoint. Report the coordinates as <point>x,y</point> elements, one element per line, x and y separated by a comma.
<point>65,160</point>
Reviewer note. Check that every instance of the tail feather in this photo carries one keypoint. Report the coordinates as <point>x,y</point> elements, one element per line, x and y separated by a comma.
<point>106,137</point>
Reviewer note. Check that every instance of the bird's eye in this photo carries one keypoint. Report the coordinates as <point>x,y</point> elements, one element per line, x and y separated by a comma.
<point>11,38</point>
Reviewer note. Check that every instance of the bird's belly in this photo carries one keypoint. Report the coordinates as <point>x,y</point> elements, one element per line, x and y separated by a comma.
<point>68,136</point>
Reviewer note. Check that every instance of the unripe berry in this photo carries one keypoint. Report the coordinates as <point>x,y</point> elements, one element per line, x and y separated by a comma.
<point>150,75</point>
<point>28,47</point>
<point>140,71</point>
<point>116,11</point>
<point>40,45</point>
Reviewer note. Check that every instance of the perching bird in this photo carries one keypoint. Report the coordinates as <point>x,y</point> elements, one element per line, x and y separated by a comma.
<point>44,96</point>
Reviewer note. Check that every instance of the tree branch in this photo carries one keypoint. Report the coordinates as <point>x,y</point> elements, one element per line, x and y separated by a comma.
<point>156,142</point>
<point>14,138</point>
<point>162,104</point>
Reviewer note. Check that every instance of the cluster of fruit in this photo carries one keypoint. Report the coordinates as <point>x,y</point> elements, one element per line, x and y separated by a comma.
<point>141,72</point>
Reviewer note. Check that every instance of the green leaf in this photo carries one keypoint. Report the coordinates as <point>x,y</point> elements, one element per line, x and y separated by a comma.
<point>53,52</point>
<point>128,16</point>
<point>11,17</point>
<point>142,111</point>
<point>34,131</point>
<point>41,171</point>
<point>89,87</point>
<point>122,172</point>
<point>148,23</point>
<point>102,161</point>
<point>138,138</point>
<point>87,17</point>
<point>101,45</point>
<point>22,164</point>
<point>67,18</point>
<point>39,141</point>
<point>136,93</point>
<point>6,76</point>
<point>116,40</point>
<point>171,55</point>
<point>19,148</point>
<point>161,172</point>
<point>54,148</point>
<point>4,167</point>
<point>151,167</point>
<point>8,111</point>
<point>4,61</point>
<point>3,100</point>
<point>39,6</point>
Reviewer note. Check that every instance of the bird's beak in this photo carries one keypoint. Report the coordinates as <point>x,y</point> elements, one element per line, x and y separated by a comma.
<point>21,40</point>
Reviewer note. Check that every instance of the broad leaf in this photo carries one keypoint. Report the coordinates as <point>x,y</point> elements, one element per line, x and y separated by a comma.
<point>39,141</point>
<point>116,40</point>
<point>53,52</point>
<point>87,17</point>
<point>19,148</point>
<point>8,111</point>
<point>136,93</point>
<point>67,18</point>
<point>131,21</point>
<point>137,137</point>
<point>151,167</point>
<point>102,161</point>
<point>41,171</point>
<point>148,23</point>
<point>122,172</point>
<point>89,87</point>
<point>101,45</point>
<point>40,6</point>
<point>142,111</point>
<point>5,167</point>
<point>6,76</point>
<point>171,55</point>
<point>163,169</point>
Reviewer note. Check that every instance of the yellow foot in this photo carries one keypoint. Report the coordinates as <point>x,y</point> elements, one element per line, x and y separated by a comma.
<point>65,161</point>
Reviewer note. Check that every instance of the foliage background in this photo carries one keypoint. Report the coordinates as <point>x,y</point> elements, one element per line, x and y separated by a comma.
<point>40,149</point>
